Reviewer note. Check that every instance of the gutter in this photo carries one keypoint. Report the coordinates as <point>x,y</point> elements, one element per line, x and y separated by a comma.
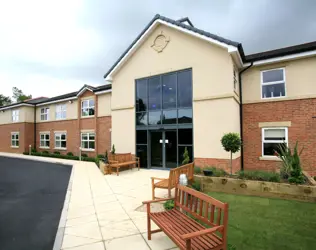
<point>241,115</point>
<point>34,127</point>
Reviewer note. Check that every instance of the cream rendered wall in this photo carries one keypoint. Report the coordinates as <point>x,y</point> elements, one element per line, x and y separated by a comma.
<point>212,72</point>
<point>26,114</point>
<point>300,80</point>
<point>71,111</point>
<point>104,104</point>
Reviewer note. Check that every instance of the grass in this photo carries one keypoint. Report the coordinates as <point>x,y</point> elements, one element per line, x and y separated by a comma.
<point>263,223</point>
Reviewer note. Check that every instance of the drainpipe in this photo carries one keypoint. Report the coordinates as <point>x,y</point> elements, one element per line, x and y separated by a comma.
<point>241,116</point>
<point>34,127</point>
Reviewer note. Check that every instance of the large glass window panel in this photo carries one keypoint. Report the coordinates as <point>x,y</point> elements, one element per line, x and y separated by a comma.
<point>141,118</point>
<point>154,118</point>
<point>169,117</point>
<point>141,137</point>
<point>185,89</point>
<point>273,75</point>
<point>181,152</point>
<point>141,95</point>
<point>141,152</point>
<point>169,92</point>
<point>185,136</point>
<point>185,116</point>
<point>154,93</point>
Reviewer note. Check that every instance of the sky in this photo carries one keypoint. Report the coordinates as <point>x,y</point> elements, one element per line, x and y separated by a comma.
<point>48,48</point>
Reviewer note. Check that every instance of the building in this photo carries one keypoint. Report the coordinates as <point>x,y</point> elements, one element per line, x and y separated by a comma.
<point>177,86</point>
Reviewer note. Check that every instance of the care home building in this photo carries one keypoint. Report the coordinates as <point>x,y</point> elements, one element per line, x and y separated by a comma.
<point>179,87</point>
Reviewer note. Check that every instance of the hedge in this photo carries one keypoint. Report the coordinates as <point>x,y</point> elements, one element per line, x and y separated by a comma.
<point>67,157</point>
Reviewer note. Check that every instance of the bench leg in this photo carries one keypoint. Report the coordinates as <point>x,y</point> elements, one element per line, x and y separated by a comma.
<point>148,222</point>
<point>153,188</point>
<point>169,192</point>
<point>117,171</point>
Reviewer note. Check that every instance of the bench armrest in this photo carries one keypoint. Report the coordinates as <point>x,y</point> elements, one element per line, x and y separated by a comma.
<point>157,178</point>
<point>200,233</point>
<point>157,200</point>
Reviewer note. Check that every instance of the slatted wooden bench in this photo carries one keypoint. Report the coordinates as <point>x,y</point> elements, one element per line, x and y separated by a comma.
<point>180,223</point>
<point>123,160</point>
<point>173,179</point>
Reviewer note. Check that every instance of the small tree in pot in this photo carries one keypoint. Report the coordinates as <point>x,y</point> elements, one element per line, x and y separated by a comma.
<point>231,142</point>
<point>186,158</point>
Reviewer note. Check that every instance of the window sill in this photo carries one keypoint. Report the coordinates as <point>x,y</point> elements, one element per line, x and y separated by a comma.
<point>14,146</point>
<point>89,116</point>
<point>45,147</point>
<point>273,98</point>
<point>269,158</point>
<point>87,150</point>
<point>60,148</point>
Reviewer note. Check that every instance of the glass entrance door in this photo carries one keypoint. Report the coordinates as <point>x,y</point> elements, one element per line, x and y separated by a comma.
<point>163,149</point>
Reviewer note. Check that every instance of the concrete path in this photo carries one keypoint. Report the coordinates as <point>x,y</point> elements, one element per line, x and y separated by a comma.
<point>105,212</point>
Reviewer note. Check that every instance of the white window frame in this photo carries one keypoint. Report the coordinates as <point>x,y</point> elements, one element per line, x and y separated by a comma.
<point>15,115</point>
<point>44,113</point>
<point>44,133</point>
<point>61,111</point>
<point>88,107</point>
<point>235,80</point>
<point>272,83</point>
<point>273,141</point>
<point>61,140</point>
<point>88,140</point>
<point>13,145</point>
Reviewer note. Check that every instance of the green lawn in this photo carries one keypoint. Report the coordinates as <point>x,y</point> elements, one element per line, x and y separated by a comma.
<point>262,223</point>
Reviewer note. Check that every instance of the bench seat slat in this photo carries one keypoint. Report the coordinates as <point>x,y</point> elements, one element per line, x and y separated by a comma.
<point>175,224</point>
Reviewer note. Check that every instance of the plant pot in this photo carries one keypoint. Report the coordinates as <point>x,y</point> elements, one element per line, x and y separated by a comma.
<point>208,172</point>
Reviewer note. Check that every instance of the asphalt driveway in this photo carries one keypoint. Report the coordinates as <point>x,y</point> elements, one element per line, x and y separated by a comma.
<point>32,195</point>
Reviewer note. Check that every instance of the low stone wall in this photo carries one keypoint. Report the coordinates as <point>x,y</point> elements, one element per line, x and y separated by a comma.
<point>257,188</point>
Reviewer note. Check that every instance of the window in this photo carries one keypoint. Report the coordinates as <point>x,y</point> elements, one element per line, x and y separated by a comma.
<point>87,107</point>
<point>61,140</point>
<point>44,140</point>
<point>88,141</point>
<point>44,114</point>
<point>60,112</point>
<point>235,79</point>
<point>272,139</point>
<point>15,139</point>
<point>273,83</point>
<point>15,115</point>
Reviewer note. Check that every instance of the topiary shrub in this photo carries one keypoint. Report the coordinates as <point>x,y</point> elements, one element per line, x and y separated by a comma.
<point>168,205</point>
<point>70,154</point>
<point>186,158</point>
<point>231,142</point>
<point>113,150</point>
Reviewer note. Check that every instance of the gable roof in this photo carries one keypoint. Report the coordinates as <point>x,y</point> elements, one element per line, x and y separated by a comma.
<point>184,27</point>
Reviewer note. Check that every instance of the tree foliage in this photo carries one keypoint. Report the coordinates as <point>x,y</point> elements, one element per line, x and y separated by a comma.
<point>231,142</point>
<point>19,96</point>
<point>186,158</point>
<point>5,100</point>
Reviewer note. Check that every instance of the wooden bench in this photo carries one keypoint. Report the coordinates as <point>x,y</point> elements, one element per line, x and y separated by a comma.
<point>180,223</point>
<point>173,179</point>
<point>123,160</point>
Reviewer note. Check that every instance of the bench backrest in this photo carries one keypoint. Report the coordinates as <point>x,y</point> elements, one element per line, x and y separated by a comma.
<point>174,174</point>
<point>206,209</point>
<point>124,157</point>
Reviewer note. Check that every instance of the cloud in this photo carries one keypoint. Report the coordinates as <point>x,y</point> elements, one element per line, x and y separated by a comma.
<point>52,47</point>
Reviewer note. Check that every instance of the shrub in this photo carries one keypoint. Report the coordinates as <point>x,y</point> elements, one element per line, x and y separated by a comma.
<point>113,149</point>
<point>196,184</point>
<point>231,142</point>
<point>168,205</point>
<point>197,170</point>
<point>92,159</point>
<point>259,175</point>
<point>33,150</point>
<point>57,153</point>
<point>45,152</point>
<point>26,153</point>
<point>217,172</point>
<point>70,154</point>
<point>186,158</point>
<point>84,155</point>
<point>100,156</point>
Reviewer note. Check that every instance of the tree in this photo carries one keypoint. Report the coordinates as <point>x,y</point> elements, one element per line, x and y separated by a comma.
<point>19,96</point>
<point>186,158</point>
<point>113,149</point>
<point>231,142</point>
<point>5,100</point>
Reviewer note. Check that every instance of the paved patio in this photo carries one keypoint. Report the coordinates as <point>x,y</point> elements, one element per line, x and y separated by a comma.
<point>104,212</point>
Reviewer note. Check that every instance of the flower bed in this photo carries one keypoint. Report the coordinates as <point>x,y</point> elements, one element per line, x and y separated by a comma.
<point>257,188</point>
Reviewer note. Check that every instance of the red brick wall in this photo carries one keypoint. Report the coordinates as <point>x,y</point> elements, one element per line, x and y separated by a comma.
<point>218,163</point>
<point>104,135</point>
<point>303,130</point>
<point>26,132</point>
